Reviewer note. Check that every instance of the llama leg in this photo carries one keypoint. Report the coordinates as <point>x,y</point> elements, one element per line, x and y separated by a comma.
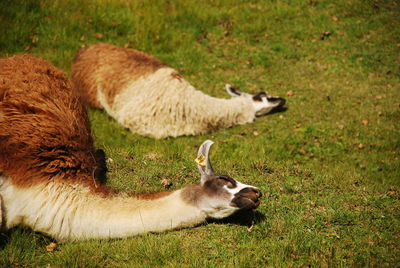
<point>262,102</point>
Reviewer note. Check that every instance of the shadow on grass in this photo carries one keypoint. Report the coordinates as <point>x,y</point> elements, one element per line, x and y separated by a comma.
<point>7,237</point>
<point>4,238</point>
<point>242,218</point>
<point>280,109</point>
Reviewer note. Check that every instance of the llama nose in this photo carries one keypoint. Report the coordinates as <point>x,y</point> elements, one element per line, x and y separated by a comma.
<point>252,192</point>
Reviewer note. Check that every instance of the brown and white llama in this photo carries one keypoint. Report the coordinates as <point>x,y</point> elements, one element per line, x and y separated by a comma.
<point>152,99</point>
<point>51,174</point>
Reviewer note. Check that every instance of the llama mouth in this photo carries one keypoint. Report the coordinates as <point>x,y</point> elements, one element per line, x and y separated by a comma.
<point>245,203</point>
<point>278,101</point>
<point>275,101</point>
<point>270,103</point>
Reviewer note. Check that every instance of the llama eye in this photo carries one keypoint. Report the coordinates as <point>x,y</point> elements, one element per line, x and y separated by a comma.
<point>228,181</point>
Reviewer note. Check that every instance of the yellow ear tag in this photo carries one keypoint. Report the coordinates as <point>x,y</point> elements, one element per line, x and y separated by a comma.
<point>201,160</point>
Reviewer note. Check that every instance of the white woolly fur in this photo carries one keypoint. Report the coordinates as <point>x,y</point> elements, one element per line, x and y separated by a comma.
<point>159,105</point>
<point>71,212</point>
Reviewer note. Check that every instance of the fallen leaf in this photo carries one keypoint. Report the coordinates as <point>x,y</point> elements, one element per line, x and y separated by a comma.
<point>335,19</point>
<point>251,227</point>
<point>35,39</point>
<point>249,62</point>
<point>50,247</point>
<point>153,156</point>
<point>360,146</point>
<point>324,35</point>
<point>166,183</point>
<point>341,127</point>
<point>364,122</point>
<point>302,150</point>
<point>393,193</point>
<point>297,44</point>
<point>99,35</point>
<point>290,93</point>
<point>256,133</point>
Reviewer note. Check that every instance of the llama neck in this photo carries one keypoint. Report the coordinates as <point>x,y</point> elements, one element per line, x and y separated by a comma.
<point>175,107</point>
<point>67,211</point>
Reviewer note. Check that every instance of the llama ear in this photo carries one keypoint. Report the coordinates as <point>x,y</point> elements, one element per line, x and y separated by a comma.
<point>236,93</point>
<point>203,161</point>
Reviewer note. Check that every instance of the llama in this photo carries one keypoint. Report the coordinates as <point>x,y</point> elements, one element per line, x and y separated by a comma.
<point>52,178</point>
<point>152,99</point>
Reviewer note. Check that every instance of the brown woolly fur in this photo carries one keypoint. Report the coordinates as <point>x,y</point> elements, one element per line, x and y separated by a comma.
<point>192,194</point>
<point>101,66</point>
<point>44,129</point>
<point>51,175</point>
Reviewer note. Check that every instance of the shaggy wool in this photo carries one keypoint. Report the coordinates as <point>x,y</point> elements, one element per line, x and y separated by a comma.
<point>44,129</point>
<point>51,175</point>
<point>150,98</point>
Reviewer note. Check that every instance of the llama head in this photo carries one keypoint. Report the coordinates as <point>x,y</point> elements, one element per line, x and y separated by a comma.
<point>262,102</point>
<point>221,195</point>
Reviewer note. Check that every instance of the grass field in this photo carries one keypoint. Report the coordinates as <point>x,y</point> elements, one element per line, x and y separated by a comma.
<point>329,166</point>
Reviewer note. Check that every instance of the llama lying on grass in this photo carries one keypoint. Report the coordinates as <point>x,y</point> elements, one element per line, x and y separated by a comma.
<point>152,99</point>
<point>51,175</point>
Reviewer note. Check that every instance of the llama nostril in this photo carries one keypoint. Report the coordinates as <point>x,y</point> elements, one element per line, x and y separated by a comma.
<point>258,192</point>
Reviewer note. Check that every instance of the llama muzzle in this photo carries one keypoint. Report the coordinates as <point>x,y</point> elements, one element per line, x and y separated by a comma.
<point>247,198</point>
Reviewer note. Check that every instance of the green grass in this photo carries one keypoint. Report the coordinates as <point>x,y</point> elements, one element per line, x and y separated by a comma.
<point>330,178</point>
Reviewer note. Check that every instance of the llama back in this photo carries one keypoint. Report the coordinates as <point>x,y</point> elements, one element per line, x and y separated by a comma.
<point>44,129</point>
<point>102,71</point>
